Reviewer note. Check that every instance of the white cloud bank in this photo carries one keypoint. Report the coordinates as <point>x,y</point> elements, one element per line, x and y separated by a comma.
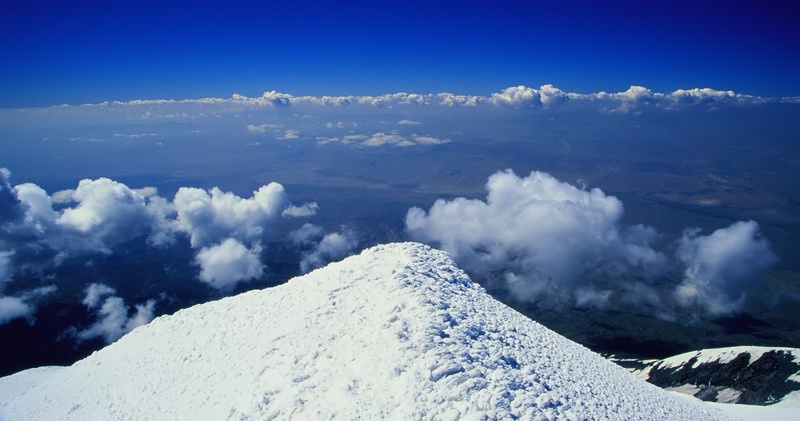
<point>544,97</point>
<point>546,240</point>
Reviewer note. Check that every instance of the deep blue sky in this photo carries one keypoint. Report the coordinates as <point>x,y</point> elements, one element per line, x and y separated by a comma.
<point>54,52</point>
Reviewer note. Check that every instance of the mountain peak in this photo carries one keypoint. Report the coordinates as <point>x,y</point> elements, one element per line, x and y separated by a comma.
<point>397,331</point>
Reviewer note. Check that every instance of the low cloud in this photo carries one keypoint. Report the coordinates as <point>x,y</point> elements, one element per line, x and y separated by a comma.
<point>408,122</point>
<point>106,213</point>
<point>321,248</point>
<point>5,267</point>
<point>114,318</point>
<point>41,232</point>
<point>224,265</point>
<point>537,237</point>
<point>427,140</point>
<point>23,305</point>
<point>395,139</point>
<point>260,128</point>
<point>516,96</point>
<point>382,139</point>
<point>13,308</point>
<point>545,235</point>
<point>302,211</point>
<point>99,214</point>
<point>290,134</point>
<point>9,203</point>
<point>722,266</point>
<point>210,216</point>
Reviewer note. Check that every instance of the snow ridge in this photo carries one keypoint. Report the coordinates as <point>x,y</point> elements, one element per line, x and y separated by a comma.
<point>397,332</point>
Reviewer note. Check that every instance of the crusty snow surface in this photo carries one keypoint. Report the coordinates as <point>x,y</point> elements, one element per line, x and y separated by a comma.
<point>397,332</point>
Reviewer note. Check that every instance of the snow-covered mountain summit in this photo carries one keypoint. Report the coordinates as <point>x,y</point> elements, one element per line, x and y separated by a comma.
<point>395,332</point>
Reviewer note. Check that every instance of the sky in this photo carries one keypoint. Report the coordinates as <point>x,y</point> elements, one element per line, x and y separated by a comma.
<point>658,142</point>
<point>91,51</point>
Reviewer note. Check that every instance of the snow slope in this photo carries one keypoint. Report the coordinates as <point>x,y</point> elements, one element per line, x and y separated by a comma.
<point>754,375</point>
<point>397,332</point>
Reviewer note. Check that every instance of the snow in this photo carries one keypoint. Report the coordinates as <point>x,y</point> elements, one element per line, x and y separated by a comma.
<point>723,355</point>
<point>396,332</point>
<point>751,412</point>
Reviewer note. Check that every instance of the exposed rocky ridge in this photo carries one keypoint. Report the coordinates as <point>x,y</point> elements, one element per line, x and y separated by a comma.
<point>745,375</point>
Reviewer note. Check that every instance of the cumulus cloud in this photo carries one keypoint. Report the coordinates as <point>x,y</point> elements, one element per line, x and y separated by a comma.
<point>9,203</point>
<point>545,235</point>
<point>23,305</point>
<point>306,234</point>
<point>524,97</point>
<point>628,101</point>
<point>305,210</point>
<point>721,266</point>
<point>546,96</point>
<point>516,96</point>
<point>380,139</point>
<point>225,230</point>
<point>94,217</point>
<point>267,99</point>
<point>537,237</point>
<point>638,98</point>
<point>210,216</point>
<point>223,265</point>
<point>551,96</point>
<point>106,210</point>
<point>322,248</point>
<point>5,267</point>
<point>13,308</point>
<point>428,140</point>
<point>395,139</point>
<point>114,319</point>
<point>62,196</point>
<point>408,122</point>
<point>451,100</point>
<point>95,293</point>
<point>290,134</point>
<point>260,128</point>
<point>38,209</point>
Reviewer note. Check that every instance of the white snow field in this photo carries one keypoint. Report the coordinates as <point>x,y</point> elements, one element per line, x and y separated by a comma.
<point>397,332</point>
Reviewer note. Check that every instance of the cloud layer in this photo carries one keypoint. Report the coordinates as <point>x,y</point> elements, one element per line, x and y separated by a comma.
<point>225,230</point>
<point>546,96</point>
<point>545,240</point>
